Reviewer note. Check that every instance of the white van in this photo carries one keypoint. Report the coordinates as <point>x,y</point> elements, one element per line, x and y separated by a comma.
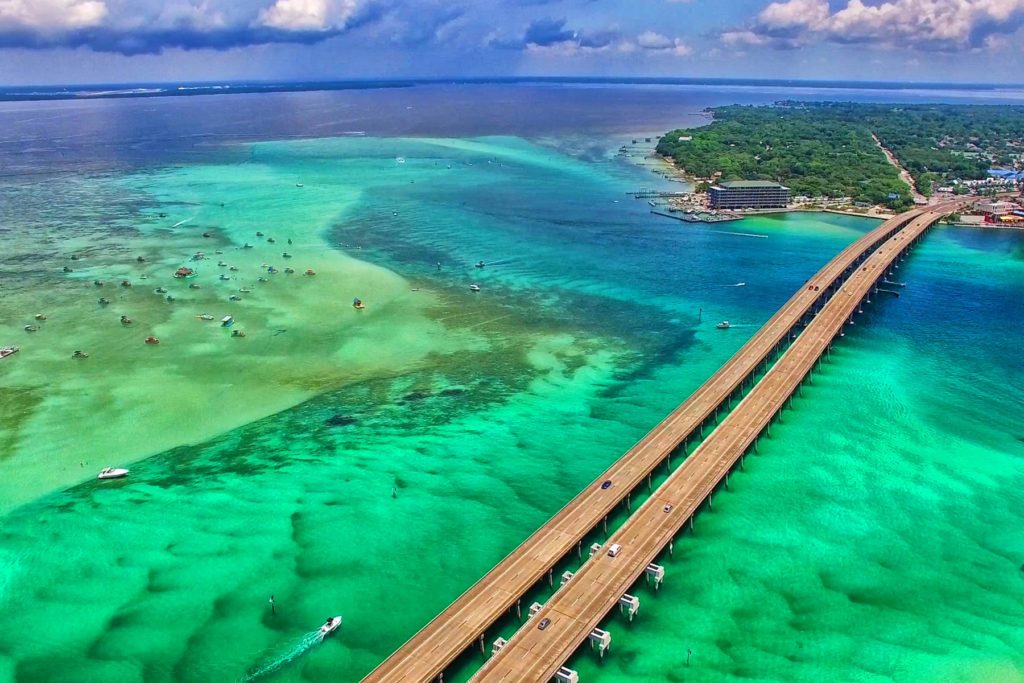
<point>614,549</point>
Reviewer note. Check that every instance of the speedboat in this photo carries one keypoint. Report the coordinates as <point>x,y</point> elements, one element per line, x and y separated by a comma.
<point>480,264</point>
<point>8,351</point>
<point>224,277</point>
<point>724,325</point>
<point>112,473</point>
<point>205,316</point>
<point>330,626</point>
<point>31,328</point>
<point>299,185</point>
<point>152,340</point>
<point>227,321</point>
<point>358,304</point>
<point>474,288</point>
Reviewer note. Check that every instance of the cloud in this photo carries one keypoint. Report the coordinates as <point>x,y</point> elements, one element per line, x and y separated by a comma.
<point>51,16</point>
<point>150,26</point>
<point>554,34</point>
<point>307,15</point>
<point>656,42</point>
<point>934,25</point>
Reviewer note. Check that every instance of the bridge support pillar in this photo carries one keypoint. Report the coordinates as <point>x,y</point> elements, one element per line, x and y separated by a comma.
<point>482,650</point>
<point>691,522</point>
<point>606,523</point>
<point>726,481</point>
<point>519,609</point>
<point>629,502</point>
<point>551,579</point>
<point>579,550</point>
<point>649,481</point>
<point>741,463</point>
<point>671,547</point>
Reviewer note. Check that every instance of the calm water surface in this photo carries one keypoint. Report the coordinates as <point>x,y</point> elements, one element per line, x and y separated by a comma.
<point>375,465</point>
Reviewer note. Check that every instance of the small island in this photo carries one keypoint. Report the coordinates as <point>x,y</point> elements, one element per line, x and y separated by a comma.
<point>856,155</point>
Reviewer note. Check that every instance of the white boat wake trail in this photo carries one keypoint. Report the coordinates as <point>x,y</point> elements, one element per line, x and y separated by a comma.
<point>303,645</point>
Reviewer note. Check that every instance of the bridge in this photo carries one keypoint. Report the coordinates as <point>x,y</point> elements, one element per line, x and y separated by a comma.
<point>812,317</point>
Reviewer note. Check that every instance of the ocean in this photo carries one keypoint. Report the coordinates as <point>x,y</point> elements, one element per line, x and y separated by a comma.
<point>374,463</point>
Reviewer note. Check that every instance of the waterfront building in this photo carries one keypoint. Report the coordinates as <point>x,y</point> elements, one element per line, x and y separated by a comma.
<point>996,208</point>
<point>748,194</point>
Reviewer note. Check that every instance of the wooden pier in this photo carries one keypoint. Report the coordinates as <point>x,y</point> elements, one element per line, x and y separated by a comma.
<point>464,623</point>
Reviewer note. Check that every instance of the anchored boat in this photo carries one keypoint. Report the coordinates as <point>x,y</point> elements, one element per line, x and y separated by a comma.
<point>112,473</point>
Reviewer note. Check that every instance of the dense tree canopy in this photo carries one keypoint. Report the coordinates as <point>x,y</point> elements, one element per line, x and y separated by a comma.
<point>827,149</point>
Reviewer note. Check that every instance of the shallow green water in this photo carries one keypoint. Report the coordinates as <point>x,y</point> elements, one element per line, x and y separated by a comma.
<point>387,494</point>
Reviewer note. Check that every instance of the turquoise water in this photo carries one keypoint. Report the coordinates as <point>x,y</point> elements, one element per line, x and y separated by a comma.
<point>398,483</point>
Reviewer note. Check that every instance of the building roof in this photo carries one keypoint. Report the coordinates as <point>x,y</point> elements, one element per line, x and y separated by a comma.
<point>750,184</point>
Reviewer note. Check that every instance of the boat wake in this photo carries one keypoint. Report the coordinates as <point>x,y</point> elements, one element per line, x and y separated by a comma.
<point>297,649</point>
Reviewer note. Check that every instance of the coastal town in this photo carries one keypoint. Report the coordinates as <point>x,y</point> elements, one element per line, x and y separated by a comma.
<point>753,160</point>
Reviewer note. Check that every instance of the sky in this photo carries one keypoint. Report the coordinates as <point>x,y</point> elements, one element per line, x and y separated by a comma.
<point>117,41</point>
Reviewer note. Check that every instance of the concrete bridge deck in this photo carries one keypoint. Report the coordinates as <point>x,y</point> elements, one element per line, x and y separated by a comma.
<point>580,606</point>
<point>463,623</point>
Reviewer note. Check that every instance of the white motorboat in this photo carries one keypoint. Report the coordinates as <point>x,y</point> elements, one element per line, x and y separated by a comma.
<point>724,325</point>
<point>227,321</point>
<point>112,473</point>
<point>474,288</point>
<point>330,626</point>
<point>8,351</point>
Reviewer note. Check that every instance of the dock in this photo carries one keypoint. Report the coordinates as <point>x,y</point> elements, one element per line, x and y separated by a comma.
<point>584,598</point>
